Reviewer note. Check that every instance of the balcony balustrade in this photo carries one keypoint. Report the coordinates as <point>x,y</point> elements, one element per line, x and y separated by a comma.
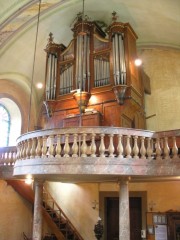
<point>95,150</point>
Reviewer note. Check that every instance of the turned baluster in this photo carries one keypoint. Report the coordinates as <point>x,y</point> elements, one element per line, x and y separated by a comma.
<point>93,145</point>
<point>75,147</point>
<point>149,148</point>
<point>44,146</point>
<point>84,145</point>
<point>158,149</point>
<point>38,148</point>
<point>1,158</point>
<point>10,158</point>
<point>24,150</point>
<point>120,146</point>
<point>28,149</point>
<point>21,150</point>
<point>136,148</point>
<point>174,148</point>
<point>66,146</point>
<point>128,147</point>
<point>13,158</point>
<point>111,145</point>
<point>33,148</point>
<point>143,149</point>
<point>5,158</point>
<point>18,152</point>
<point>102,146</point>
<point>58,146</point>
<point>51,146</point>
<point>166,149</point>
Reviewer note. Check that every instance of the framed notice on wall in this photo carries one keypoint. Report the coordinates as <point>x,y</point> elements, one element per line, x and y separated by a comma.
<point>160,232</point>
<point>159,219</point>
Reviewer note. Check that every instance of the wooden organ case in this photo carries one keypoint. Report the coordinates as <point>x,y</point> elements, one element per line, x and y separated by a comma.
<point>95,76</point>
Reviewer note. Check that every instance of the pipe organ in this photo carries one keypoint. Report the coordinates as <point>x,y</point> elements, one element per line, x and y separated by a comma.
<point>99,63</point>
<point>119,65</point>
<point>51,76</point>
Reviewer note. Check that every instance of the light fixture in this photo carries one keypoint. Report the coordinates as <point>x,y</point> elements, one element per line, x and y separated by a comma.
<point>151,204</point>
<point>94,204</point>
<point>39,85</point>
<point>29,180</point>
<point>138,62</point>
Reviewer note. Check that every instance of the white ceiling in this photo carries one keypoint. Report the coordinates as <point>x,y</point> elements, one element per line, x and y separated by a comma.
<point>156,22</point>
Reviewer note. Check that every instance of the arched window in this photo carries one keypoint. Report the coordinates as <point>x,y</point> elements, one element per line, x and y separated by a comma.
<point>4,126</point>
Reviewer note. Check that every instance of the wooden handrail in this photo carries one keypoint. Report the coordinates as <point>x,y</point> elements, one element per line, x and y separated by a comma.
<point>47,199</point>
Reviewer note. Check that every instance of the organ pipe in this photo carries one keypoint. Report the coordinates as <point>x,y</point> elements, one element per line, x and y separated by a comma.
<point>82,63</point>
<point>89,52</point>
<point>101,71</point>
<point>119,60</point>
<point>51,76</point>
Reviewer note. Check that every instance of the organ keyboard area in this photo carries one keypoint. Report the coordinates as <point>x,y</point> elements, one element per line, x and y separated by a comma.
<point>96,63</point>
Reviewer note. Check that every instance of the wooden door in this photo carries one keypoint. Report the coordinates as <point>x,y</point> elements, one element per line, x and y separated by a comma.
<point>135,218</point>
<point>112,218</point>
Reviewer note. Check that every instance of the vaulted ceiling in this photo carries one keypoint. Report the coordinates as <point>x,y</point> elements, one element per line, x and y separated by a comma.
<point>157,23</point>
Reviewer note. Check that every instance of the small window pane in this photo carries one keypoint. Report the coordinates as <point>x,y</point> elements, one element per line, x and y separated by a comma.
<point>4,126</point>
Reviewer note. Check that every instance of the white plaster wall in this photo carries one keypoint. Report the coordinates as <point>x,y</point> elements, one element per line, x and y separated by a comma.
<point>76,201</point>
<point>162,66</point>
<point>15,212</point>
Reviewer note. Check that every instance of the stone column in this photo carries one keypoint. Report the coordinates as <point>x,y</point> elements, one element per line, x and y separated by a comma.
<point>124,218</point>
<point>37,220</point>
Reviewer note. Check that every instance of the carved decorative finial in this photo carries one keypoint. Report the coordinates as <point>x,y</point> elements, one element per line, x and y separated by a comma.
<point>114,16</point>
<point>50,37</point>
<point>50,41</point>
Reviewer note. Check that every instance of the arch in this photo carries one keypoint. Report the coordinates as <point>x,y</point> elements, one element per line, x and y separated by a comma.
<point>5,122</point>
<point>12,128</point>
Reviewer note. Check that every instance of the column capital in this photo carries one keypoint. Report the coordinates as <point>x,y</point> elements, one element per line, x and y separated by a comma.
<point>39,181</point>
<point>124,179</point>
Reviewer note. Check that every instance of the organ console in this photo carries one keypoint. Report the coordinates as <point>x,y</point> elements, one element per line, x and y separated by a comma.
<point>97,64</point>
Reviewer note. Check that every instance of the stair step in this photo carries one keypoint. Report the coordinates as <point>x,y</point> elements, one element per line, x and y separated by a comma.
<point>61,221</point>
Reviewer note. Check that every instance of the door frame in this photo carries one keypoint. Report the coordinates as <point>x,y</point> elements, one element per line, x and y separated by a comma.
<point>102,206</point>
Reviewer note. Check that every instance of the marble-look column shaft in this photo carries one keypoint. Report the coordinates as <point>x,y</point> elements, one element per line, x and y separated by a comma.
<point>124,218</point>
<point>37,220</point>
